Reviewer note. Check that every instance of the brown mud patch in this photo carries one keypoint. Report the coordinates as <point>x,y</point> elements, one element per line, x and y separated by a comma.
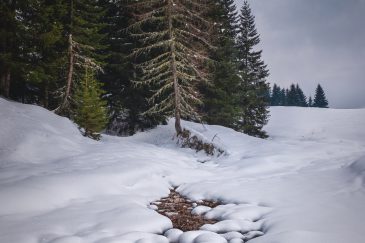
<point>178,209</point>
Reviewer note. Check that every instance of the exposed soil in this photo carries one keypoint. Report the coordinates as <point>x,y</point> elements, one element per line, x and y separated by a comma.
<point>178,209</point>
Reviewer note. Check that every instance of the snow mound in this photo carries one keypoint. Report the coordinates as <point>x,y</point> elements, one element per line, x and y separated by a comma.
<point>242,211</point>
<point>201,236</point>
<point>31,134</point>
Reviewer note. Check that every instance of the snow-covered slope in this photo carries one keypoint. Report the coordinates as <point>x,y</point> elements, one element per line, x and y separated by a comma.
<point>304,184</point>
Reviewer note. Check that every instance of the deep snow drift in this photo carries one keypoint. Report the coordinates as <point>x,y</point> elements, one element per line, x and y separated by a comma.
<point>304,184</point>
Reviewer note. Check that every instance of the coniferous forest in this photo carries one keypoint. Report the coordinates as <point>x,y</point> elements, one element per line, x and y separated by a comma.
<point>130,65</point>
<point>294,96</point>
<point>126,66</point>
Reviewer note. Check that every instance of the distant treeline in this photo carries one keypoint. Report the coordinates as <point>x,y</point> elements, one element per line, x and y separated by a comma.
<point>294,96</point>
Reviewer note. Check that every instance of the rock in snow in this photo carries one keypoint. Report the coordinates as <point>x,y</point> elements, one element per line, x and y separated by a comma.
<point>303,184</point>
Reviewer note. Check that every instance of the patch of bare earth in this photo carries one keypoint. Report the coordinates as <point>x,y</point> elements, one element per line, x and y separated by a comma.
<point>178,209</point>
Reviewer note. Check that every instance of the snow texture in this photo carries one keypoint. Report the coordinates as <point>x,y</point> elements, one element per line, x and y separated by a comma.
<point>303,184</point>
<point>199,210</point>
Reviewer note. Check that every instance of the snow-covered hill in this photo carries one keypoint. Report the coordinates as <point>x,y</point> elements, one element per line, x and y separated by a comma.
<point>304,184</point>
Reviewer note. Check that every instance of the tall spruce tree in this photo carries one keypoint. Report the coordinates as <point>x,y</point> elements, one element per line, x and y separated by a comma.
<point>221,97</point>
<point>253,72</point>
<point>174,39</point>
<point>84,37</point>
<point>127,102</point>
<point>45,22</point>
<point>320,99</point>
<point>11,46</point>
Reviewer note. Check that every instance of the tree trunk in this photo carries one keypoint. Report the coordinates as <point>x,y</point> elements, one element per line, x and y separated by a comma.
<point>46,95</point>
<point>174,72</point>
<point>65,102</point>
<point>5,83</point>
<point>2,82</point>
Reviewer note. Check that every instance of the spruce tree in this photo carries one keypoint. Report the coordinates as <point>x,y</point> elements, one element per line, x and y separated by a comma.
<point>221,97</point>
<point>253,72</point>
<point>84,44</point>
<point>46,45</point>
<point>173,41</point>
<point>276,96</point>
<point>310,102</point>
<point>90,109</point>
<point>283,97</point>
<point>127,102</point>
<point>301,98</point>
<point>292,97</point>
<point>11,46</point>
<point>320,99</point>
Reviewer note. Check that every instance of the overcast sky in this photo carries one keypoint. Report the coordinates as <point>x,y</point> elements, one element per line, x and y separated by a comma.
<point>315,41</point>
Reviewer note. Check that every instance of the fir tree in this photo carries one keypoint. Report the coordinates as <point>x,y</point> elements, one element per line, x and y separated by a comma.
<point>90,109</point>
<point>174,39</point>
<point>221,97</point>
<point>276,96</point>
<point>310,102</point>
<point>292,98</point>
<point>267,95</point>
<point>84,43</point>
<point>320,99</point>
<point>11,46</point>
<point>283,97</point>
<point>46,43</point>
<point>253,72</point>
<point>301,98</point>
<point>126,102</point>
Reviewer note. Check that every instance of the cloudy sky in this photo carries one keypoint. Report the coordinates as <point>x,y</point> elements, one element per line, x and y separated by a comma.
<point>315,41</point>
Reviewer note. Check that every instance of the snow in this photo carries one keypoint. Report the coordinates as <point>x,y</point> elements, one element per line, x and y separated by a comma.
<point>201,236</point>
<point>199,210</point>
<point>173,235</point>
<point>303,184</point>
<point>242,211</point>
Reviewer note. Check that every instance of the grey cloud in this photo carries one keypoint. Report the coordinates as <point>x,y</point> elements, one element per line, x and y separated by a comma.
<point>315,41</point>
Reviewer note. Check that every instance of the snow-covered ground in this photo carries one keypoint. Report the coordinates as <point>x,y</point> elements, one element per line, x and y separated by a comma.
<point>304,184</point>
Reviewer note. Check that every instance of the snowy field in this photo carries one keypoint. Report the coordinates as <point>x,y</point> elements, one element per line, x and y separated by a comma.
<point>303,185</point>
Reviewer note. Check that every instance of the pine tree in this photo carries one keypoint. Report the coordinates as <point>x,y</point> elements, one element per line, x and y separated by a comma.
<point>221,97</point>
<point>90,109</point>
<point>267,94</point>
<point>126,102</point>
<point>253,72</point>
<point>45,44</point>
<point>174,39</point>
<point>276,96</point>
<point>310,102</point>
<point>292,97</point>
<point>301,98</point>
<point>11,46</point>
<point>283,97</point>
<point>320,99</point>
<point>84,43</point>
